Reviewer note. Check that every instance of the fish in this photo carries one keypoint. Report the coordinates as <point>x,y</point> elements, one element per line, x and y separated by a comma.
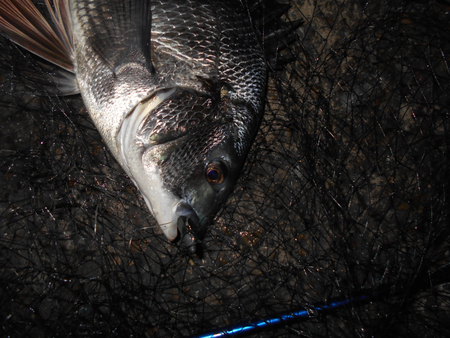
<point>176,89</point>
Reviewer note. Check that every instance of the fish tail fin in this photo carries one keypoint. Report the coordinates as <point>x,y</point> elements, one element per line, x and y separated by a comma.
<point>49,38</point>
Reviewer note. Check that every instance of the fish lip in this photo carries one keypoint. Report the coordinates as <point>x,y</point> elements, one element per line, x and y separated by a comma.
<point>190,230</point>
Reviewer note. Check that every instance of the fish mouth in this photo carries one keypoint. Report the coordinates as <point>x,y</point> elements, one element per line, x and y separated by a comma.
<point>190,231</point>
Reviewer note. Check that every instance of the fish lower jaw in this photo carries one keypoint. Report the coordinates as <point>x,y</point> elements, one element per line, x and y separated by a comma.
<point>166,222</point>
<point>161,202</point>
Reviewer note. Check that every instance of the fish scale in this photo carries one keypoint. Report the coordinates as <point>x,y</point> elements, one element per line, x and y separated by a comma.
<point>175,118</point>
<point>213,41</point>
<point>189,40</point>
<point>175,88</point>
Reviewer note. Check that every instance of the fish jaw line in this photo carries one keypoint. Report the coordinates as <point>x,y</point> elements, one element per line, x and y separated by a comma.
<point>161,202</point>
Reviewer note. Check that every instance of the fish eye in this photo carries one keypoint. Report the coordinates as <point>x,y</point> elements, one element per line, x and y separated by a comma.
<point>215,172</point>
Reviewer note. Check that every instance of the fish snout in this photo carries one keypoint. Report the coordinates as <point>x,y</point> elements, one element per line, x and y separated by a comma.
<point>190,230</point>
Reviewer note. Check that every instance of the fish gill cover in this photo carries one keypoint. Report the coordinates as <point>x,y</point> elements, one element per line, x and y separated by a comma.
<point>345,192</point>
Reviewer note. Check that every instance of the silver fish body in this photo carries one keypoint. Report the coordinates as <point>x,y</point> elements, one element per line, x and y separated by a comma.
<point>194,99</point>
<point>176,89</point>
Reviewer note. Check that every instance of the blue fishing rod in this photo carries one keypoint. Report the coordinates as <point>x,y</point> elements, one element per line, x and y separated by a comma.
<point>422,281</point>
<point>302,314</point>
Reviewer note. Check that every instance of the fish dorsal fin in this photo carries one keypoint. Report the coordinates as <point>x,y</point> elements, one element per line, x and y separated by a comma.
<point>118,30</point>
<point>23,23</point>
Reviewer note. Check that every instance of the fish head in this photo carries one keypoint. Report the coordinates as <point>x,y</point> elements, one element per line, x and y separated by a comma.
<point>195,173</point>
<point>185,153</point>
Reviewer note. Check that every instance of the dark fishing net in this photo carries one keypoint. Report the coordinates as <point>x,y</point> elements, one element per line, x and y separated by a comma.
<point>345,192</point>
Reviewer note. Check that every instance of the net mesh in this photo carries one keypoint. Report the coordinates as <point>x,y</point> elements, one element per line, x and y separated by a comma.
<point>345,191</point>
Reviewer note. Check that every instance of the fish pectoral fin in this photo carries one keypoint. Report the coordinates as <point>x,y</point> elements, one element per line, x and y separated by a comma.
<point>119,30</point>
<point>23,23</point>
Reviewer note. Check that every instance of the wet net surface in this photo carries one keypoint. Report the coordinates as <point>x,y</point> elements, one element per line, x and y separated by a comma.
<point>345,191</point>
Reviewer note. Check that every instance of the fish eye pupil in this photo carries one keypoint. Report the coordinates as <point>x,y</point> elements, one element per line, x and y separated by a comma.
<point>215,173</point>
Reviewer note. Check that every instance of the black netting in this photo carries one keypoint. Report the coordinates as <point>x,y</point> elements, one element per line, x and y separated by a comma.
<point>345,192</point>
